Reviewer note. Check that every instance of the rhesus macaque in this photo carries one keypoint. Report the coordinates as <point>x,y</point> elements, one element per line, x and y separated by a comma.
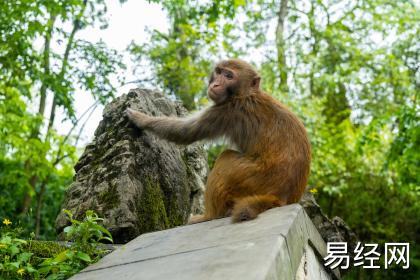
<point>270,165</point>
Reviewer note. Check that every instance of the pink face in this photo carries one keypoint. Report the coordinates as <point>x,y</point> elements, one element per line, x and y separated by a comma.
<point>224,82</point>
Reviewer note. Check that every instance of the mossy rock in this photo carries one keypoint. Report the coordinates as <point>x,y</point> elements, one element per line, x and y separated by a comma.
<point>137,182</point>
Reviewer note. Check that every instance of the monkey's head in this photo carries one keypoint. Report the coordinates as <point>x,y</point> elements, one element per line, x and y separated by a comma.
<point>230,78</point>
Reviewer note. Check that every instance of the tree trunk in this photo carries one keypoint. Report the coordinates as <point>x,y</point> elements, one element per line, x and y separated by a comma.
<point>280,44</point>
<point>40,197</point>
<point>27,200</point>
<point>46,62</point>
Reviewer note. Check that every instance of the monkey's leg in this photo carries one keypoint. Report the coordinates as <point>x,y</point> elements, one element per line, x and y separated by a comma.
<point>248,208</point>
<point>218,199</point>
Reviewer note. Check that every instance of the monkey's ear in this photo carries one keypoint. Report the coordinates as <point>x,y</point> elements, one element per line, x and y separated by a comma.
<point>256,82</point>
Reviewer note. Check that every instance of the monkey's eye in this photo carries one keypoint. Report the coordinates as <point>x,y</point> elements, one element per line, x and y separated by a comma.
<point>228,75</point>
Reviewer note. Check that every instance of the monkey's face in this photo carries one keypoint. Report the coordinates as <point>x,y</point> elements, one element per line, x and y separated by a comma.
<point>224,82</point>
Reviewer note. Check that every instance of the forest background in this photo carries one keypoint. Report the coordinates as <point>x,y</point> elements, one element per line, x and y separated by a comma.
<point>349,69</point>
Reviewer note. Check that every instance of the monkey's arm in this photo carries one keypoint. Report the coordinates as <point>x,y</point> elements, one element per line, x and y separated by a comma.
<point>179,130</point>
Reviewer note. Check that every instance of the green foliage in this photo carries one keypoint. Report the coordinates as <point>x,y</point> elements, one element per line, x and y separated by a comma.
<point>16,148</point>
<point>14,260</point>
<point>84,250</point>
<point>36,260</point>
<point>36,163</point>
<point>86,234</point>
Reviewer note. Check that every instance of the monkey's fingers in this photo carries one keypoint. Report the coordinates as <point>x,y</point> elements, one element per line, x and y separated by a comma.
<point>135,116</point>
<point>141,120</point>
<point>129,113</point>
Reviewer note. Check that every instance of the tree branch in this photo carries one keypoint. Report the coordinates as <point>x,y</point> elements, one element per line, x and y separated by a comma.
<point>84,123</point>
<point>76,27</point>
<point>58,157</point>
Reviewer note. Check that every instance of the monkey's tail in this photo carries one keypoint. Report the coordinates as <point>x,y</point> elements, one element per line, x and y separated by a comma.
<point>248,208</point>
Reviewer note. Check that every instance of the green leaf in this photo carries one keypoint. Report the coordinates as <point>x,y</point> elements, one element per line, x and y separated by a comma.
<point>63,256</point>
<point>83,256</point>
<point>13,249</point>
<point>24,257</point>
<point>15,264</point>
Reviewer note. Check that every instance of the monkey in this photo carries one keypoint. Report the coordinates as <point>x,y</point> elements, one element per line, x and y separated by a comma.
<point>270,164</point>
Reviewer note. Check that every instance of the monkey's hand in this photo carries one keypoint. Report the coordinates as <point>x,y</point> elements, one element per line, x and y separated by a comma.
<point>140,119</point>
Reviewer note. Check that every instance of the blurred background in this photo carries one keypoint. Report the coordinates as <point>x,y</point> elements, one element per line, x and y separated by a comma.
<point>349,69</point>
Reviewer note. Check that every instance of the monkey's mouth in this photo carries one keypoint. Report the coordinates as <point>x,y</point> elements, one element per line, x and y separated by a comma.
<point>215,96</point>
<point>215,93</point>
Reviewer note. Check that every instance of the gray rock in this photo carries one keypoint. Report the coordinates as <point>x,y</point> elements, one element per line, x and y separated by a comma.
<point>331,230</point>
<point>136,181</point>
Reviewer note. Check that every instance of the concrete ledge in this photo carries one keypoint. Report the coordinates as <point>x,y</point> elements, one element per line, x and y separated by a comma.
<point>281,243</point>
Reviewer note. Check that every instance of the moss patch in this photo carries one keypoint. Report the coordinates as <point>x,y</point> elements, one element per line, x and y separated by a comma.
<point>44,249</point>
<point>174,214</point>
<point>151,208</point>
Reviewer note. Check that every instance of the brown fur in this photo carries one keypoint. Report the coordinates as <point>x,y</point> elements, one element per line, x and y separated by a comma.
<point>271,166</point>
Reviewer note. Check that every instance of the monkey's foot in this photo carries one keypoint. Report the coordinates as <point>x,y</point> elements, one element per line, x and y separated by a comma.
<point>244,214</point>
<point>197,219</point>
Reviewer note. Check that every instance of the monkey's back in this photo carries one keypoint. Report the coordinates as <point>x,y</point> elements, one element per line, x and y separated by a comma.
<point>284,149</point>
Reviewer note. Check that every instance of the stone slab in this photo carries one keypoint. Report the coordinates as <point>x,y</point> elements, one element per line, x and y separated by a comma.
<point>269,247</point>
